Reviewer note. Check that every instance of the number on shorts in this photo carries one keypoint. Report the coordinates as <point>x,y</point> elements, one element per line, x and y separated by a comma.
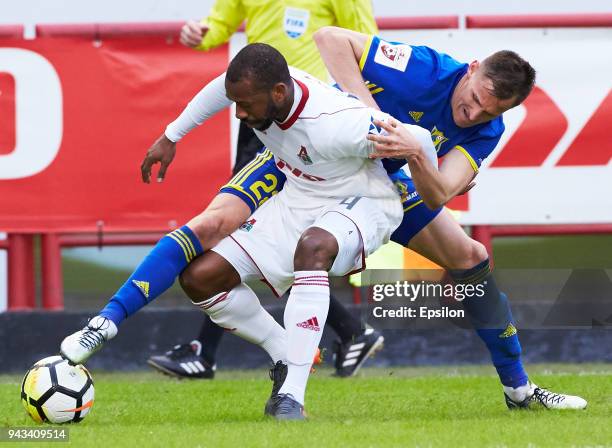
<point>350,202</point>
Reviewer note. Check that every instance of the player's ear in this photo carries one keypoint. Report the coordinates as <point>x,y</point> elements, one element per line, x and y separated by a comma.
<point>280,92</point>
<point>473,67</point>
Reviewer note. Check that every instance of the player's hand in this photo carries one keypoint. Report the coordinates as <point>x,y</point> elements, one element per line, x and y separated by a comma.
<point>192,34</point>
<point>162,151</point>
<point>398,143</point>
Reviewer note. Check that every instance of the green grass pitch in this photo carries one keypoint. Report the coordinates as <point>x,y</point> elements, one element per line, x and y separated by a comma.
<point>425,407</point>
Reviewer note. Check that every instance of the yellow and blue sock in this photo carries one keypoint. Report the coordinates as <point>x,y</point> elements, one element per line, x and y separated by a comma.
<point>155,274</point>
<point>491,317</point>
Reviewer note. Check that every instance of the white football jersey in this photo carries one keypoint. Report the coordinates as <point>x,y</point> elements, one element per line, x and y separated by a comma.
<point>323,151</point>
<point>321,147</point>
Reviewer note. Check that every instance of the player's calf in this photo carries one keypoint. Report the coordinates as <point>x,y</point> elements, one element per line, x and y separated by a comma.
<point>240,312</point>
<point>155,274</point>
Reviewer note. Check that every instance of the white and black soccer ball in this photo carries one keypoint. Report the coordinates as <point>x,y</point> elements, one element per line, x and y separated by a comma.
<point>55,391</point>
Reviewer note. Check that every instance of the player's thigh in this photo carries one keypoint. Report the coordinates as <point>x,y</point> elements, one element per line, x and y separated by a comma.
<point>359,227</point>
<point>435,234</point>
<point>268,239</point>
<point>223,215</point>
<point>445,242</point>
<point>252,186</point>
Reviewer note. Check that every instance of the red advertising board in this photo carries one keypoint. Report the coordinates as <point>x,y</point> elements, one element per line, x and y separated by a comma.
<point>113,99</point>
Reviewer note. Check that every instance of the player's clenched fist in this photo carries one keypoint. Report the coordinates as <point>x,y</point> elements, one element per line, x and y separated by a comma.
<point>162,151</point>
<point>192,33</point>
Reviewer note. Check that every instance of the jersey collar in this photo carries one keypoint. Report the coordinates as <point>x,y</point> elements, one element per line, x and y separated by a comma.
<point>298,110</point>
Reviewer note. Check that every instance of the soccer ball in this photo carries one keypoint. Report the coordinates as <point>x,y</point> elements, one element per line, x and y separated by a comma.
<point>55,391</point>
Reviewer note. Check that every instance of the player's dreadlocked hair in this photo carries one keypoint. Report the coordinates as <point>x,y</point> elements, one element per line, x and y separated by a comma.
<point>512,76</point>
<point>261,63</point>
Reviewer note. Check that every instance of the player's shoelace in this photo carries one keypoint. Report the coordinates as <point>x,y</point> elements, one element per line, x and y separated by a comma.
<point>547,397</point>
<point>91,338</point>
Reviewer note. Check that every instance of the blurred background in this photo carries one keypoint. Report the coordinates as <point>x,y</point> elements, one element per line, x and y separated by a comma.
<point>86,87</point>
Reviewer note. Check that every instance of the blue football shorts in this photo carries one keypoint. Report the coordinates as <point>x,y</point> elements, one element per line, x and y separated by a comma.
<point>416,214</point>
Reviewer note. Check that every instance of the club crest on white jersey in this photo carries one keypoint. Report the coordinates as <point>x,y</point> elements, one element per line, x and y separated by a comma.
<point>303,156</point>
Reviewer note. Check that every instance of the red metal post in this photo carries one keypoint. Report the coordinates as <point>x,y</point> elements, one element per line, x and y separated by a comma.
<point>539,20</point>
<point>552,229</point>
<point>91,239</point>
<point>21,292</point>
<point>51,271</point>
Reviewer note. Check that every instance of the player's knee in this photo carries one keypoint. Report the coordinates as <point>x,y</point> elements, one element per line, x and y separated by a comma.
<point>316,250</point>
<point>469,254</point>
<point>477,253</point>
<point>194,286</point>
<point>201,280</point>
<point>208,227</point>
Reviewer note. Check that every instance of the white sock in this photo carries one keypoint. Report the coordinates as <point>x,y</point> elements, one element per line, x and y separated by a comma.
<point>305,316</point>
<point>240,312</point>
<point>518,394</point>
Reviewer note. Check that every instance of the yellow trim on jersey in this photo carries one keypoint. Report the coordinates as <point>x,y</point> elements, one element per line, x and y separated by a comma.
<point>469,157</point>
<point>187,241</point>
<point>410,207</point>
<point>246,171</point>
<point>375,91</point>
<point>180,243</point>
<point>364,55</point>
<point>242,190</point>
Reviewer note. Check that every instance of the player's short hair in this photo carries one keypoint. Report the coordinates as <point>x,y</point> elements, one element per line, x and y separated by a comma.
<point>261,63</point>
<point>511,75</point>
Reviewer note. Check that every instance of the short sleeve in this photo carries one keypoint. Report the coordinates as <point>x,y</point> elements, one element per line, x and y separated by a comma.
<point>480,145</point>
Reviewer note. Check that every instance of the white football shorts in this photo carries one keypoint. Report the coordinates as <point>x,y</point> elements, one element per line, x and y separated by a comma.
<point>264,246</point>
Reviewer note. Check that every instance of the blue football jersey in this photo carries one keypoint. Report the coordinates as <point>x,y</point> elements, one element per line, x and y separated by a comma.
<point>415,84</point>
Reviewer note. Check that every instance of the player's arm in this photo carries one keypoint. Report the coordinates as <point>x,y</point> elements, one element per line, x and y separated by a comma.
<point>341,51</point>
<point>210,100</point>
<point>224,19</point>
<point>435,186</point>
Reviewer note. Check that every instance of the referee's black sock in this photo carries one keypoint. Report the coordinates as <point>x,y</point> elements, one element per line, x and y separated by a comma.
<point>346,326</point>
<point>210,337</point>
